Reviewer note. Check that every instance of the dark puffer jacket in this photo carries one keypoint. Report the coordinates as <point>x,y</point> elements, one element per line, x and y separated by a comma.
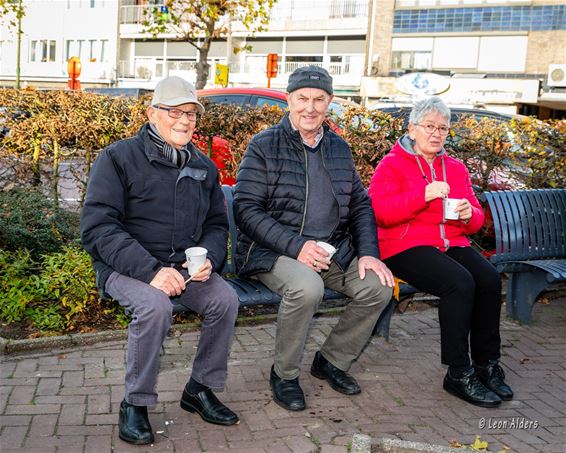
<point>141,212</point>
<point>270,200</point>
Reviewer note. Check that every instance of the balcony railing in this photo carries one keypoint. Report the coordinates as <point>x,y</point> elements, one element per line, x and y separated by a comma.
<point>284,9</point>
<point>148,68</point>
<point>332,68</point>
<point>319,9</point>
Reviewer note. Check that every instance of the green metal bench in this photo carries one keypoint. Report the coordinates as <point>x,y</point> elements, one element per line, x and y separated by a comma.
<point>530,243</point>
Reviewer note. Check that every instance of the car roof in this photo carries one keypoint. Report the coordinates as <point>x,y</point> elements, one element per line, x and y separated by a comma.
<point>267,92</point>
<point>456,113</point>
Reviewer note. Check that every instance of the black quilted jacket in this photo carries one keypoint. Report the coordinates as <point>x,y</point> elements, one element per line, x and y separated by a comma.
<point>270,200</point>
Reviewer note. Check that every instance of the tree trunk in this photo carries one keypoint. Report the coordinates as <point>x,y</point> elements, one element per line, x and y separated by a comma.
<point>203,68</point>
<point>36,181</point>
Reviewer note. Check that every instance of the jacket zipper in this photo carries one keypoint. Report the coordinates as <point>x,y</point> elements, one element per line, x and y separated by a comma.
<point>174,218</point>
<point>442,227</point>
<point>249,253</point>
<point>331,188</point>
<point>306,188</point>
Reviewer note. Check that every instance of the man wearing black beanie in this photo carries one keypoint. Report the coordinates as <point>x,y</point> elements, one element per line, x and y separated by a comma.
<point>306,222</point>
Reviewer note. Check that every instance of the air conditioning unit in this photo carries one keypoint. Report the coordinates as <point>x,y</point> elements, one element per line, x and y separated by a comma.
<point>556,75</point>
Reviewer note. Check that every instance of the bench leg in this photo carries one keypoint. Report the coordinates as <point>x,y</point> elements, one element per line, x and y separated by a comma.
<point>522,291</point>
<point>382,325</point>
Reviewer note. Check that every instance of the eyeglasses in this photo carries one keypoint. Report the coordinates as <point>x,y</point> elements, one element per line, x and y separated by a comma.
<point>177,113</point>
<point>431,129</point>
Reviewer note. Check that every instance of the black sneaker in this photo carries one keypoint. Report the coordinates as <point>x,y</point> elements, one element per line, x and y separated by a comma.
<point>470,389</point>
<point>493,377</point>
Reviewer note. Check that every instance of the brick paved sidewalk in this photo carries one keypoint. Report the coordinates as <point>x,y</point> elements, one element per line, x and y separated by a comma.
<point>67,400</point>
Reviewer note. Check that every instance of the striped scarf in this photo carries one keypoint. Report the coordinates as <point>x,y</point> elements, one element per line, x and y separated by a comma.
<point>177,157</point>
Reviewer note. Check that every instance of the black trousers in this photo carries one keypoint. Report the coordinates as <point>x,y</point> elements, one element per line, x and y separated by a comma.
<point>469,288</point>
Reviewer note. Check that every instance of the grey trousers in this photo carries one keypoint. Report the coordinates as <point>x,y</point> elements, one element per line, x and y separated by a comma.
<point>151,310</point>
<point>302,290</point>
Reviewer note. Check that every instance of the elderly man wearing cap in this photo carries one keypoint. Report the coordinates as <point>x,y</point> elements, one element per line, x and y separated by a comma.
<point>297,184</point>
<point>149,198</point>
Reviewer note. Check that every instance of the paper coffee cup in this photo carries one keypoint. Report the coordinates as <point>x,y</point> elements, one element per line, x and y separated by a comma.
<point>196,257</point>
<point>450,205</point>
<point>329,248</point>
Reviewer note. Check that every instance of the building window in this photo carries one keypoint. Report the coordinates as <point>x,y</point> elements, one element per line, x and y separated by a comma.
<point>91,50</point>
<point>43,50</point>
<point>411,60</point>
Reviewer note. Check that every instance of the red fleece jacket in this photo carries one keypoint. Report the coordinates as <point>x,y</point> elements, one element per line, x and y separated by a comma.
<point>404,218</point>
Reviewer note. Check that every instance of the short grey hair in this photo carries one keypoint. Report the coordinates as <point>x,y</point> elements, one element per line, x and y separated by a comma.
<point>426,106</point>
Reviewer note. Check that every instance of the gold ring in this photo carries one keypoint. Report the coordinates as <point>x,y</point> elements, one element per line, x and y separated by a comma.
<point>314,263</point>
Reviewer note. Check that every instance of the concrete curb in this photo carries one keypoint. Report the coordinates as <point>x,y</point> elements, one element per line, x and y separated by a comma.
<point>8,346</point>
<point>404,446</point>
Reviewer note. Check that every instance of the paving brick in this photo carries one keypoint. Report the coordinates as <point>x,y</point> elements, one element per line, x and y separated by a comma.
<point>74,442</point>
<point>43,425</point>
<point>13,436</point>
<point>98,403</point>
<point>48,386</point>
<point>16,409</point>
<point>72,414</point>
<point>7,368</point>
<point>15,420</point>
<point>51,449</point>
<point>21,395</point>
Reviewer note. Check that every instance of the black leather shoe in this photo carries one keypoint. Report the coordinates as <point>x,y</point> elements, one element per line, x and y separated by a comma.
<point>470,389</point>
<point>339,380</point>
<point>134,424</point>
<point>208,407</point>
<point>287,392</point>
<point>493,377</point>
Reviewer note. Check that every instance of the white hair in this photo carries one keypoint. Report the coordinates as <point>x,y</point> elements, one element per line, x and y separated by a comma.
<point>426,106</point>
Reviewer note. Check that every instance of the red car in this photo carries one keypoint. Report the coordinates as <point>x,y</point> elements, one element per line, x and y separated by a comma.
<point>258,97</point>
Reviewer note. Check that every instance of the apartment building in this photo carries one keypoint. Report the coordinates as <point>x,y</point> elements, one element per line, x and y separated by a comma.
<point>54,31</point>
<point>329,33</point>
<point>508,55</point>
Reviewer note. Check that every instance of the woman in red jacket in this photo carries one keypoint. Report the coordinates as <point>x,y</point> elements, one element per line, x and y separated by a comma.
<point>410,189</point>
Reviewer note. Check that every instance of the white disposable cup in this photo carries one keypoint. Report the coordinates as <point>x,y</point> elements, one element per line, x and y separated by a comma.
<point>196,257</point>
<point>329,248</point>
<point>450,205</point>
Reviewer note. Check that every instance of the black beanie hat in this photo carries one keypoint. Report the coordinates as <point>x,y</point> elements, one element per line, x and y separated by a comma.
<point>310,77</point>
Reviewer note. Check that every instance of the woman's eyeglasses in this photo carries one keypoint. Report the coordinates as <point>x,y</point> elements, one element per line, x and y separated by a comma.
<point>431,129</point>
<point>177,113</point>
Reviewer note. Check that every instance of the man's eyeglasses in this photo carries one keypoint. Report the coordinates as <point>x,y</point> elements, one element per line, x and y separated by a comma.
<point>431,129</point>
<point>177,113</point>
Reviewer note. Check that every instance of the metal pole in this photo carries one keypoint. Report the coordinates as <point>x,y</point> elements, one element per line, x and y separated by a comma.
<point>19,51</point>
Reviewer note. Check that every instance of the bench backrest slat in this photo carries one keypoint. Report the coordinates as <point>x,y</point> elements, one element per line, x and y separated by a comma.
<point>529,224</point>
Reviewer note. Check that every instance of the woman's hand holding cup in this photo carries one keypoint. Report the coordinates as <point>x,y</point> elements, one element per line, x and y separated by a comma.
<point>436,189</point>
